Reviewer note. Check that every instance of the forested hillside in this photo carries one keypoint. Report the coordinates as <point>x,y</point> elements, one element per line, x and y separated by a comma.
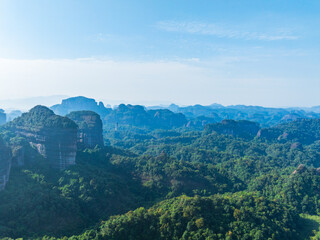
<point>232,180</point>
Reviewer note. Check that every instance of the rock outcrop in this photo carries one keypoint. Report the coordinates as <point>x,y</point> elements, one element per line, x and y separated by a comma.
<point>54,137</point>
<point>5,164</point>
<point>3,117</point>
<point>242,128</point>
<point>89,129</point>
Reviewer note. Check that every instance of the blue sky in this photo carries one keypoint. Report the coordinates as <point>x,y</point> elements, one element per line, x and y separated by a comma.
<point>187,52</point>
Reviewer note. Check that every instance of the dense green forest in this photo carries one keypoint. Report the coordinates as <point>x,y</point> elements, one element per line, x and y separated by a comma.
<point>180,183</point>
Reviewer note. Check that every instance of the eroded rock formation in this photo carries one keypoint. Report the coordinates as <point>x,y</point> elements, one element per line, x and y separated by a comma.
<point>89,129</point>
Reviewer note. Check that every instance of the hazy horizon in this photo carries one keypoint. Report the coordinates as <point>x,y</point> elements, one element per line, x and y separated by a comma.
<point>25,104</point>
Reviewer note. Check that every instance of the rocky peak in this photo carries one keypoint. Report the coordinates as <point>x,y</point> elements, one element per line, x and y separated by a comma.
<point>89,129</point>
<point>53,136</point>
<point>78,104</point>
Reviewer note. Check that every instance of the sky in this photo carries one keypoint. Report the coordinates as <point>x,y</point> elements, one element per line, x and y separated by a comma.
<point>170,51</point>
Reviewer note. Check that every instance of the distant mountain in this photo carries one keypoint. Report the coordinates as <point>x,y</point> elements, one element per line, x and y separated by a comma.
<point>13,114</point>
<point>136,115</point>
<point>305,131</point>
<point>196,116</point>
<point>315,109</point>
<point>216,105</point>
<point>79,104</point>
<point>298,132</point>
<point>264,116</point>
<point>123,115</point>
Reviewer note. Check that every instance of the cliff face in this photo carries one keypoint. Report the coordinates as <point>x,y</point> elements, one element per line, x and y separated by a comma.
<point>54,137</point>
<point>89,129</point>
<point>3,117</point>
<point>5,164</point>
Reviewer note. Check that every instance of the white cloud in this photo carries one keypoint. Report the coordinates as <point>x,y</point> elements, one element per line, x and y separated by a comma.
<point>223,31</point>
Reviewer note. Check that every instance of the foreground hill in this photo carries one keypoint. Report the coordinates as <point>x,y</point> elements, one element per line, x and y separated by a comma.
<point>216,217</point>
<point>39,200</point>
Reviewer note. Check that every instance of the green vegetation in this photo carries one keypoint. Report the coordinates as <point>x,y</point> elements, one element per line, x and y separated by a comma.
<point>183,184</point>
<point>39,200</point>
<point>310,227</point>
<point>238,216</point>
